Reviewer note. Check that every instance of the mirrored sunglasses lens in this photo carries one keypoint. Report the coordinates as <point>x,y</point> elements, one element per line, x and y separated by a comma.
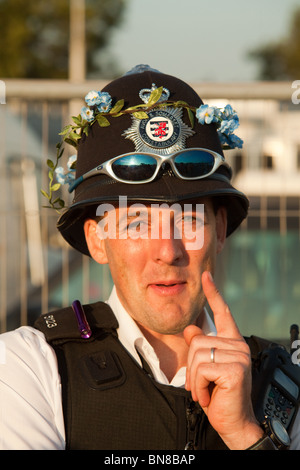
<point>194,163</point>
<point>134,167</point>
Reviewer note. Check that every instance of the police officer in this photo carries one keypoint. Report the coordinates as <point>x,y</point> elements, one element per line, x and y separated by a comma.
<point>148,369</point>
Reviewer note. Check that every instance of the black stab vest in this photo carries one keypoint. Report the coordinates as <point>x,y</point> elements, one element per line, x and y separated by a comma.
<point>111,402</point>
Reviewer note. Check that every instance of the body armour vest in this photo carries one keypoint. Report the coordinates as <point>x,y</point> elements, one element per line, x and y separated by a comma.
<point>109,400</point>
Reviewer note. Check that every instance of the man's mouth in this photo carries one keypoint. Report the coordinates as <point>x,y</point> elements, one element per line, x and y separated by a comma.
<point>168,287</point>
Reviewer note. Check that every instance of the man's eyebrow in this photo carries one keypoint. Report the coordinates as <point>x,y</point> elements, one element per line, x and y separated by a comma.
<point>126,217</point>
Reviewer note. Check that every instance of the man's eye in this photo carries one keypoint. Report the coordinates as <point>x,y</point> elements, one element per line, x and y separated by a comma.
<point>137,226</point>
<point>191,220</point>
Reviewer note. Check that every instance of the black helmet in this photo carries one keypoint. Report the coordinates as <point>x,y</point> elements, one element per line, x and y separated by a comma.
<point>169,125</point>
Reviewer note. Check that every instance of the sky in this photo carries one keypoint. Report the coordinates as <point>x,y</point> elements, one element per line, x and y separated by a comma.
<point>199,40</point>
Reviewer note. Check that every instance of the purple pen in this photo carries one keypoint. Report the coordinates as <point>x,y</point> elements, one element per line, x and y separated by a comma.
<point>84,328</point>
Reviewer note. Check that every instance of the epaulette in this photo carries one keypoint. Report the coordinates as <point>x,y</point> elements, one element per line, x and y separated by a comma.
<point>256,345</point>
<point>62,324</point>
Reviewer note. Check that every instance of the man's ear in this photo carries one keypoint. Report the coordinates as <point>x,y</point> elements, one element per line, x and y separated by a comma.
<point>221,227</point>
<point>95,244</point>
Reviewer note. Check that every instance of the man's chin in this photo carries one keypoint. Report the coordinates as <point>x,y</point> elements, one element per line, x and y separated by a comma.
<point>173,324</point>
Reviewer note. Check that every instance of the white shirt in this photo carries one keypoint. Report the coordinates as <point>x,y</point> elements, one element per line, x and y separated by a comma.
<point>31,415</point>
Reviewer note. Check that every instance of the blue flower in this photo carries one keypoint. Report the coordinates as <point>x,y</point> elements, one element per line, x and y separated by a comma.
<point>235,141</point>
<point>228,112</point>
<point>104,103</point>
<point>229,126</point>
<point>207,114</point>
<point>231,140</point>
<point>69,176</point>
<point>226,120</point>
<point>87,114</point>
<point>92,98</point>
<point>100,100</point>
<point>60,174</point>
<point>63,177</point>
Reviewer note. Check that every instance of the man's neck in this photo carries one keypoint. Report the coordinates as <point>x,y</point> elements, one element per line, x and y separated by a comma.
<point>171,351</point>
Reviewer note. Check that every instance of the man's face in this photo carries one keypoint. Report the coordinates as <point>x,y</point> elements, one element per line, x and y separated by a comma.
<point>158,278</point>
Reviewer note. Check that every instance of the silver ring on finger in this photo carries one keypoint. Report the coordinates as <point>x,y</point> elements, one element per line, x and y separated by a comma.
<point>212,354</point>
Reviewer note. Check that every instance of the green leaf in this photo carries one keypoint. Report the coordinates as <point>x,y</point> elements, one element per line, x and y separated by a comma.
<point>74,135</point>
<point>59,152</point>
<point>132,109</point>
<point>155,95</point>
<point>191,117</point>
<point>117,107</point>
<point>77,119</point>
<point>102,121</point>
<point>65,129</point>
<point>59,201</point>
<point>182,104</point>
<point>86,130</point>
<point>50,164</point>
<point>71,142</point>
<point>55,187</point>
<point>140,115</point>
<point>142,105</point>
<point>46,195</point>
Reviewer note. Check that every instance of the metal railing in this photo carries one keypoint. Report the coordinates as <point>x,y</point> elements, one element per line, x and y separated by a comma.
<point>67,90</point>
<point>40,272</point>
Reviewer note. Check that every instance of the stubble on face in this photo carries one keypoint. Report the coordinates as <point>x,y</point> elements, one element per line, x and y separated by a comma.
<point>145,285</point>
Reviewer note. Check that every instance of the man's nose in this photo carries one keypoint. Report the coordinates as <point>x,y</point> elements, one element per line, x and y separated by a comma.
<point>168,250</point>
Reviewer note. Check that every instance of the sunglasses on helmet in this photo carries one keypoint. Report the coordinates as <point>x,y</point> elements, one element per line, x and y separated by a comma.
<point>139,168</point>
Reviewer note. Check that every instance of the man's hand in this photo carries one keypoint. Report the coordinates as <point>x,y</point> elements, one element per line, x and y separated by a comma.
<point>222,387</point>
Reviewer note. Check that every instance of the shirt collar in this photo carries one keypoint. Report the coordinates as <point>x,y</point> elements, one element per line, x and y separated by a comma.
<point>128,331</point>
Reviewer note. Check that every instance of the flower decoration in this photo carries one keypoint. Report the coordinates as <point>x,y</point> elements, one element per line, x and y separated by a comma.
<point>102,100</point>
<point>227,121</point>
<point>99,109</point>
<point>206,114</point>
<point>56,203</point>
<point>66,178</point>
<point>87,114</point>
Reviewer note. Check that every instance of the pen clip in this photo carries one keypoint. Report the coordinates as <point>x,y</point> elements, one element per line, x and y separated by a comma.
<point>84,327</point>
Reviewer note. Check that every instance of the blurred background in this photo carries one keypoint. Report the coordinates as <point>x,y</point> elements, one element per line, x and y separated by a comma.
<point>246,54</point>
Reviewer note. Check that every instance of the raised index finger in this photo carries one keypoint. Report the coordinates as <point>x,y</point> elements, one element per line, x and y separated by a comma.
<point>224,321</point>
